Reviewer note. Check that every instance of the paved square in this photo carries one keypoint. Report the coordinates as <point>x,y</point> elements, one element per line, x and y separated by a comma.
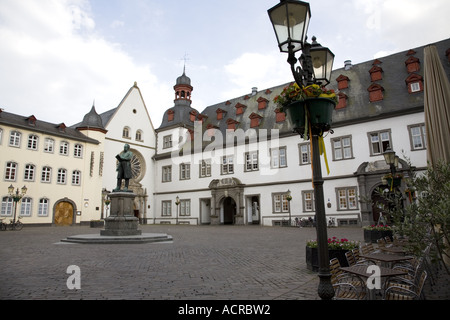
<point>202,262</point>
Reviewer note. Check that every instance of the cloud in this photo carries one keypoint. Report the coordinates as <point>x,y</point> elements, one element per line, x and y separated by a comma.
<point>56,65</point>
<point>256,70</point>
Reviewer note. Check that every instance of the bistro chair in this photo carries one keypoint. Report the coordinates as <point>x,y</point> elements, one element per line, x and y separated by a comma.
<point>415,292</point>
<point>346,286</point>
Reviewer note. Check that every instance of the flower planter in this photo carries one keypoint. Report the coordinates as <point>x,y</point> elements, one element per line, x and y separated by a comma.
<point>312,257</point>
<point>371,236</point>
<point>320,113</point>
<point>296,113</point>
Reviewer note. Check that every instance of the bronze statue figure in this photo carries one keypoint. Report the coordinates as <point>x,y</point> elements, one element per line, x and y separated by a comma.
<point>124,168</point>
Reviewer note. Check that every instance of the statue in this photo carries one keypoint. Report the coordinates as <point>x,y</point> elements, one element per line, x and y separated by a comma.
<point>124,168</point>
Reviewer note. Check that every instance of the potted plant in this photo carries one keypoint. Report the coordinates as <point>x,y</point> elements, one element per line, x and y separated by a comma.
<point>307,105</point>
<point>336,249</point>
<point>374,232</point>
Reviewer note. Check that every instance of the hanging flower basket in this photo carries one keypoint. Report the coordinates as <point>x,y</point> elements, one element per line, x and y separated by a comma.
<point>320,112</point>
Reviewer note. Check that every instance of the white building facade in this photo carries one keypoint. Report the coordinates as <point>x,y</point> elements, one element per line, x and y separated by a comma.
<point>235,162</point>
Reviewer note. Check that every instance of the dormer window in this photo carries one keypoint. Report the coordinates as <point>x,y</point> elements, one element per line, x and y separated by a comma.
<point>240,108</point>
<point>62,127</point>
<point>231,124</point>
<point>32,120</point>
<point>412,64</point>
<point>193,115</point>
<point>220,113</point>
<point>342,82</point>
<point>375,73</point>
<point>262,103</point>
<point>170,115</point>
<point>342,100</point>
<point>414,83</point>
<point>280,116</point>
<point>375,92</point>
<point>255,120</point>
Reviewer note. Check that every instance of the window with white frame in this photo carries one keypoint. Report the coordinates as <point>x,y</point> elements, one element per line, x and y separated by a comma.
<point>11,171</point>
<point>278,157</point>
<point>167,142</point>
<point>415,87</point>
<point>166,173</point>
<point>280,202</point>
<point>342,148</point>
<point>7,207</point>
<point>347,198</point>
<point>185,171</point>
<point>25,207</point>
<point>78,150</point>
<point>49,145</point>
<point>418,136</point>
<point>205,168</point>
<point>29,172</point>
<point>166,208</point>
<point>62,176</point>
<point>43,207</point>
<point>46,174</point>
<point>64,148</point>
<point>14,138</point>
<point>308,200</point>
<point>76,177</point>
<point>379,142</point>
<point>227,165</point>
<point>251,161</point>
<point>139,135</point>
<point>126,132</point>
<point>305,153</point>
<point>185,207</point>
<point>33,142</point>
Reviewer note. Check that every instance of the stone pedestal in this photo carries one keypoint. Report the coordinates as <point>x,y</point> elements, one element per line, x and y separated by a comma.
<point>121,221</point>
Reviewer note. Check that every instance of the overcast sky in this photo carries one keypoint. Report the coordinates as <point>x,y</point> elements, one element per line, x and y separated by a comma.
<point>58,56</point>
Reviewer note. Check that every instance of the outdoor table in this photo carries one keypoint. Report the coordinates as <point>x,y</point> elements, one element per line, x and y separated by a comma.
<point>394,249</point>
<point>361,272</point>
<point>386,258</point>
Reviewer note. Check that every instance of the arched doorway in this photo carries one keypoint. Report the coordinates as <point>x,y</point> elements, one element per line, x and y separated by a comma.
<point>64,213</point>
<point>229,210</point>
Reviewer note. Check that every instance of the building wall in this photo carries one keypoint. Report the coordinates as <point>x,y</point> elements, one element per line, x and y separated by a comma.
<point>85,197</point>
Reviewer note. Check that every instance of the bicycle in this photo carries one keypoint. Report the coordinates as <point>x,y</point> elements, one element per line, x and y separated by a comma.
<point>17,225</point>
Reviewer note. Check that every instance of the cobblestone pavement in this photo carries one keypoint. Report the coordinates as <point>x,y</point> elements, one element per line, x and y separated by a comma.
<point>202,262</point>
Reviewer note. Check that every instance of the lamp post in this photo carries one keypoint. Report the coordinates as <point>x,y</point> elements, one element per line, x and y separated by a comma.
<point>177,202</point>
<point>289,198</point>
<point>391,160</point>
<point>16,196</point>
<point>290,20</point>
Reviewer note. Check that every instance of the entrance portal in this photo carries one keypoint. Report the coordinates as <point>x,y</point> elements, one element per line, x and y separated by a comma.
<point>64,214</point>
<point>378,206</point>
<point>229,210</point>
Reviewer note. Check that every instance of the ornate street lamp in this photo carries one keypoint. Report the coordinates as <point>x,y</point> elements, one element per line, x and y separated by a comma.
<point>16,196</point>
<point>391,159</point>
<point>290,20</point>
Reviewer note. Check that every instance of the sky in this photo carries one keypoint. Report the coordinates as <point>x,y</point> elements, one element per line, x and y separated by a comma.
<point>59,57</point>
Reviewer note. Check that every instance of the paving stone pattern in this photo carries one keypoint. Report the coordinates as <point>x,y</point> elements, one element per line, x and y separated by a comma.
<point>202,262</point>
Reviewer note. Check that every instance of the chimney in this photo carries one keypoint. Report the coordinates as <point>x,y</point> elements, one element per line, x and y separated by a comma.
<point>347,64</point>
<point>254,91</point>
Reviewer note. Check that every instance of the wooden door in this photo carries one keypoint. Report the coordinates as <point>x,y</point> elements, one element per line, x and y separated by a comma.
<point>64,214</point>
